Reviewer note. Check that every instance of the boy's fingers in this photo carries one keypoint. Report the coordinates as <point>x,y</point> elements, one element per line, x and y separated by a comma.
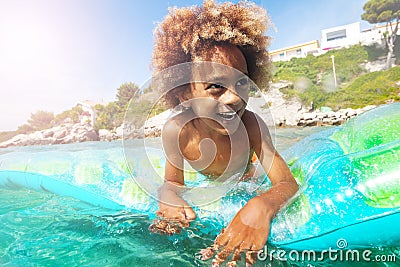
<point>160,213</point>
<point>251,257</point>
<point>235,258</point>
<point>189,213</point>
<point>206,253</point>
<point>222,239</point>
<point>221,256</point>
<point>182,224</point>
<point>244,246</point>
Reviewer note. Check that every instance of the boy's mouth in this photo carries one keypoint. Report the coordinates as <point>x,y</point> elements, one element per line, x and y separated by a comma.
<point>230,115</point>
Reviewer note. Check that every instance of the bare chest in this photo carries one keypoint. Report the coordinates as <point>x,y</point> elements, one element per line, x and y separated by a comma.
<point>224,156</point>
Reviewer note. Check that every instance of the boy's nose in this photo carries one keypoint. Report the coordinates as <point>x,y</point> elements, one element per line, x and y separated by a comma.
<point>231,98</point>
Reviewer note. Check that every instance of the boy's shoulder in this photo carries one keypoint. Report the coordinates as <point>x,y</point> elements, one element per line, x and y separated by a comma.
<point>177,123</point>
<point>254,123</point>
<point>249,116</point>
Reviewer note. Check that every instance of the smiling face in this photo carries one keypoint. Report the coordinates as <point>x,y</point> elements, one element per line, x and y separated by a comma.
<point>220,91</point>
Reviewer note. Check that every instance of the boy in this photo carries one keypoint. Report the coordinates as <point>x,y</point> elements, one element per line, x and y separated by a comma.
<point>215,132</point>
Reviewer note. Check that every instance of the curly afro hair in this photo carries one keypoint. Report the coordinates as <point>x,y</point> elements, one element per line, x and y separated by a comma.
<point>189,32</point>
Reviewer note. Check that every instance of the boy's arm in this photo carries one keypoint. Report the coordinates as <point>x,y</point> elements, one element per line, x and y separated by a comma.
<point>284,186</point>
<point>249,229</point>
<point>171,205</point>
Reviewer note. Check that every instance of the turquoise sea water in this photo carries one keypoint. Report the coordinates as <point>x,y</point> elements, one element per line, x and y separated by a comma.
<point>40,229</point>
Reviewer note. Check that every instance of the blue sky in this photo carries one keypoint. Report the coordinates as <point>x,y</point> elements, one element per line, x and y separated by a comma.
<point>54,53</point>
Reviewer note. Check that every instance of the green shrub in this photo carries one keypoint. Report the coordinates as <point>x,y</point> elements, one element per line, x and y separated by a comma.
<point>4,136</point>
<point>356,88</point>
<point>369,89</point>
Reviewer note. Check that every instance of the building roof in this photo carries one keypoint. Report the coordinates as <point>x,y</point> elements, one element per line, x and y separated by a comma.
<point>90,103</point>
<point>293,47</point>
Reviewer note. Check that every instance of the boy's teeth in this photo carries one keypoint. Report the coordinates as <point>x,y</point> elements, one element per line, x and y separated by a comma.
<point>227,115</point>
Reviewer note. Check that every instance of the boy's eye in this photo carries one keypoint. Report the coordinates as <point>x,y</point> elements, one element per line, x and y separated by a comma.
<point>215,89</point>
<point>244,82</point>
<point>242,86</point>
<point>214,86</point>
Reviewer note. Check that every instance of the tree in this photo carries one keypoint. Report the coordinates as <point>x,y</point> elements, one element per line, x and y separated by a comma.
<point>72,114</point>
<point>108,117</point>
<point>41,120</point>
<point>112,115</point>
<point>25,129</point>
<point>388,12</point>
<point>125,92</point>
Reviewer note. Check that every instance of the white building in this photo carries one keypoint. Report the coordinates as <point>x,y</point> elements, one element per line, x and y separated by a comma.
<point>333,38</point>
<point>89,114</point>
<point>299,50</point>
<point>374,35</point>
<point>340,36</point>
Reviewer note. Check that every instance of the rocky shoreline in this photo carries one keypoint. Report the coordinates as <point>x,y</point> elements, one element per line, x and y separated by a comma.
<point>61,134</point>
<point>318,118</point>
<point>73,133</point>
<point>278,111</point>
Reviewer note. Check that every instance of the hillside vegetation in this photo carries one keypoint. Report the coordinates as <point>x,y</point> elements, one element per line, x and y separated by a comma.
<point>373,88</point>
<point>313,79</point>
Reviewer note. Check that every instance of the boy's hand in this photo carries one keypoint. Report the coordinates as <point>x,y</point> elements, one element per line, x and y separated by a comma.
<point>174,212</point>
<point>173,207</point>
<point>166,227</point>
<point>247,232</point>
